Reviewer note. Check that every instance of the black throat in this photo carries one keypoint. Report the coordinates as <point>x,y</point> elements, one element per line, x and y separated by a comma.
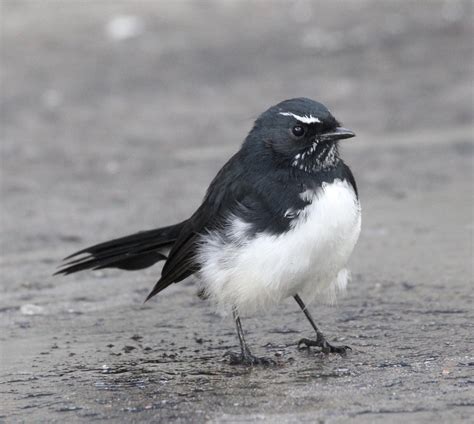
<point>317,157</point>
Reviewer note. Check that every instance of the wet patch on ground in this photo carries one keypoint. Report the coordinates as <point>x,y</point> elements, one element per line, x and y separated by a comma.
<point>116,117</point>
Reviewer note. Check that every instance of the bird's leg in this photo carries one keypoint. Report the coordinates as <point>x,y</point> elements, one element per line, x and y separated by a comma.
<point>320,339</point>
<point>245,357</point>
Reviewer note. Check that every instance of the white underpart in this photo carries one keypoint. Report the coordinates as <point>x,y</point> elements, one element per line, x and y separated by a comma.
<point>305,119</point>
<point>309,259</point>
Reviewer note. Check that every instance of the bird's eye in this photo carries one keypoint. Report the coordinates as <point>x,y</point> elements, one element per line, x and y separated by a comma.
<point>298,131</point>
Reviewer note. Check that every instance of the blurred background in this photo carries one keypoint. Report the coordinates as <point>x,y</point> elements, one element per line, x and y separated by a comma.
<point>115,116</point>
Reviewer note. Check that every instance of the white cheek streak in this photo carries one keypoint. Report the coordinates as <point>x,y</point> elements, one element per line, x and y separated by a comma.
<point>304,154</point>
<point>309,259</point>
<point>305,119</point>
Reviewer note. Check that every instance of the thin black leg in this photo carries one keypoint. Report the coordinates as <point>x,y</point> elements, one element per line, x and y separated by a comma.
<point>240,333</point>
<point>245,357</point>
<point>320,339</point>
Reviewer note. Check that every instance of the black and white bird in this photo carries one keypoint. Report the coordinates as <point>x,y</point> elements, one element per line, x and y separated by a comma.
<point>279,220</point>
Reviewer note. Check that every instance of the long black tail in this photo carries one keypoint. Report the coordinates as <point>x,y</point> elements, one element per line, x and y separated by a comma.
<point>132,252</point>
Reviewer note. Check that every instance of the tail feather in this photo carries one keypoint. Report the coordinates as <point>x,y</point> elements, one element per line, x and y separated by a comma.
<point>128,261</point>
<point>161,234</point>
<point>136,251</point>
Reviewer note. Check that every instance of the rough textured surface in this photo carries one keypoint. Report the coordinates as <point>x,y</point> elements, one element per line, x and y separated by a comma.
<point>115,116</point>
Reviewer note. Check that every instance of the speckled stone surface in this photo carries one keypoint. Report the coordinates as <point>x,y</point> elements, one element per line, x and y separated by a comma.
<point>115,117</point>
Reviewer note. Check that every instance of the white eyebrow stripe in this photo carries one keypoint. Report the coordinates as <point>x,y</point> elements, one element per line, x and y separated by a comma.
<point>304,119</point>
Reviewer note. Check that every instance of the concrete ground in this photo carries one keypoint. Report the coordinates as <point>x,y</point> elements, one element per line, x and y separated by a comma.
<point>116,115</point>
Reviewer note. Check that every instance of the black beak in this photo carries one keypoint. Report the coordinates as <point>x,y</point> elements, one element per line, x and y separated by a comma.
<point>339,133</point>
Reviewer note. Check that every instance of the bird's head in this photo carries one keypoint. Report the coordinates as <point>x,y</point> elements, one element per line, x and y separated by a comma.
<point>300,133</point>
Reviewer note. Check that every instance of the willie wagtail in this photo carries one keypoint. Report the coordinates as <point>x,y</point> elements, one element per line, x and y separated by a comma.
<point>280,219</point>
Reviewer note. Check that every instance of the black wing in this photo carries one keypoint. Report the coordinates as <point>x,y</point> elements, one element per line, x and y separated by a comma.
<point>224,193</point>
<point>250,189</point>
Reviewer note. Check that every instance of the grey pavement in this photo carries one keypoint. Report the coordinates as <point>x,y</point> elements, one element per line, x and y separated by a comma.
<point>115,116</point>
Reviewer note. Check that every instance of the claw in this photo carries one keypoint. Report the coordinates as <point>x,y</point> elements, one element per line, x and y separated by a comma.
<point>249,360</point>
<point>324,345</point>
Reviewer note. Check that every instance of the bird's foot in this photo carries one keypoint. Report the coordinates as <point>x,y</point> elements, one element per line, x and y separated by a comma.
<point>324,345</point>
<point>248,359</point>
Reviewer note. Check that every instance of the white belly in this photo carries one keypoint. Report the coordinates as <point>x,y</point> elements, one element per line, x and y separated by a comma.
<point>309,259</point>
